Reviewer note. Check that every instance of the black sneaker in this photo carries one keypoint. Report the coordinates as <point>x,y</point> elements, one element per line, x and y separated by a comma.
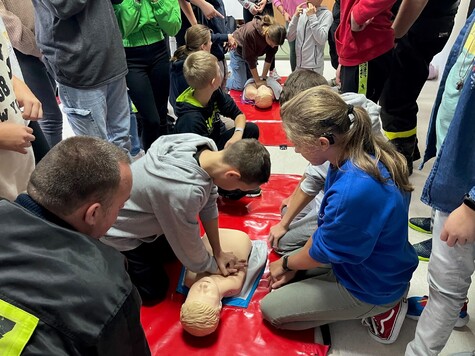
<point>254,193</point>
<point>231,194</point>
<point>423,249</point>
<point>423,225</point>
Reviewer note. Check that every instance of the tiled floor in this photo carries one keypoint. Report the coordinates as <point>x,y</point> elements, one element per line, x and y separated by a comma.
<point>351,338</point>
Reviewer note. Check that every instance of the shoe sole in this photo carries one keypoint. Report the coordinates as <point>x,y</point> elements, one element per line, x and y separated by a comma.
<point>396,330</point>
<point>461,322</point>
<point>419,229</point>
<point>423,259</point>
<point>253,195</point>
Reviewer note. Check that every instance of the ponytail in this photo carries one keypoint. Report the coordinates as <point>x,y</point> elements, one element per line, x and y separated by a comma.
<point>180,54</point>
<point>268,27</point>
<point>319,111</point>
<point>366,149</point>
<point>264,21</point>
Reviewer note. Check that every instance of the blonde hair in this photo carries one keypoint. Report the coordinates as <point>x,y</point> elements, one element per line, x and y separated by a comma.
<point>195,37</point>
<point>199,319</point>
<point>268,27</point>
<point>200,69</point>
<point>318,111</point>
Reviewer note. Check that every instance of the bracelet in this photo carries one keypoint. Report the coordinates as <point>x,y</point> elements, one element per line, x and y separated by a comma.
<point>468,201</point>
<point>239,129</point>
<point>285,262</point>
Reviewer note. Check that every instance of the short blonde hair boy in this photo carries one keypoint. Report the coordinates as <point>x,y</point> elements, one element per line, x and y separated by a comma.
<point>200,69</point>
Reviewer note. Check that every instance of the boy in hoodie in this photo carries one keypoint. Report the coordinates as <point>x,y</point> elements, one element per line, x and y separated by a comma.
<point>309,29</point>
<point>300,209</point>
<point>174,183</point>
<point>199,108</point>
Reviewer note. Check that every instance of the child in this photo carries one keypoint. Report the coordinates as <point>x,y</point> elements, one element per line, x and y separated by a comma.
<point>251,8</point>
<point>174,183</point>
<point>145,26</point>
<point>309,28</point>
<point>199,107</point>
<point>450,138</point>
<point>256,38</point>
<point>198,38</point>
<point>362,225</point>
<point>16,155</point>
<point>364,42</point>
<point>300,210</point>
<point>287,9</point>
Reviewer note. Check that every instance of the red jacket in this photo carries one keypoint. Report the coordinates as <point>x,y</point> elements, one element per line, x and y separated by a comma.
<point>377,38</point>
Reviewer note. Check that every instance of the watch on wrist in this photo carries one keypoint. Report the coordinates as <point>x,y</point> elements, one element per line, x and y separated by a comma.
<point>469,201</point>
<point>285,261</point>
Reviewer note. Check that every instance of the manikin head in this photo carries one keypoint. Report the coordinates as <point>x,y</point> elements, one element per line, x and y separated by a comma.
<point>200,313</point>
<point>263,96</point>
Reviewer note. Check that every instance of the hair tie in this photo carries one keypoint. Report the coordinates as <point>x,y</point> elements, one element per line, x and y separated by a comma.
<point>351,113</point>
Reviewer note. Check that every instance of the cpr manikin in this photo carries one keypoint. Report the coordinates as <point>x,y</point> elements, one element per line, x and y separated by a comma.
<point>200,313</point>
<point>262,96</point>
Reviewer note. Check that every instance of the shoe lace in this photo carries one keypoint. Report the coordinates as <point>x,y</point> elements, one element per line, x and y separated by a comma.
<point>369,322</point>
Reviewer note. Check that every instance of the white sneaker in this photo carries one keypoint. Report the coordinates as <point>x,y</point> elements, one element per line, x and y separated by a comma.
<point>138,155</point>
<point>273,74</point>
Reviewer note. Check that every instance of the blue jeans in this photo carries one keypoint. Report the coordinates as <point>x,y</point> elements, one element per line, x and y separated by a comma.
<point>240,72</point>
<point>134,133</point>
<point>44,87</point>
<point>100,112</point>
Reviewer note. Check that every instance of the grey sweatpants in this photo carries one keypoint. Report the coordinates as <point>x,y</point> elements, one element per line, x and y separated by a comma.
<point>315,301</point>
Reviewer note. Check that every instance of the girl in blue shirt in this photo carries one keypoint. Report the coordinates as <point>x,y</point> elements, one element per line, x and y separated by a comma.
<point>358,263</point>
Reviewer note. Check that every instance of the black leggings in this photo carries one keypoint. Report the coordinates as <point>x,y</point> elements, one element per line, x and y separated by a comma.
<point>367,78</point>
<point>148,81</point>
<point>145,266</point>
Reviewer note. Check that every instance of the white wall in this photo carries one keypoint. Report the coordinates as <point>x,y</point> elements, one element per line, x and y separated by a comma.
<point>234,8</point>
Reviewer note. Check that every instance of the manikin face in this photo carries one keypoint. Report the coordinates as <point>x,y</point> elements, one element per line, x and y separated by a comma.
<point>205,291</point>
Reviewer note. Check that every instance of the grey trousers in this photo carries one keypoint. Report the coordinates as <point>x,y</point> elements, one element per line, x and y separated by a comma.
<point>301,228</point>
<point>315,301</point>
<point>450,272</point>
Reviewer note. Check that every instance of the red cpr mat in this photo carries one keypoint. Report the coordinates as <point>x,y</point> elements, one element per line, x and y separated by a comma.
<point>269,121</point>
<point>241,331</point>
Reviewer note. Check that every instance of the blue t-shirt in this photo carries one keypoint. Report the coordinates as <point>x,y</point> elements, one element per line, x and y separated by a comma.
<point>362,231</point>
